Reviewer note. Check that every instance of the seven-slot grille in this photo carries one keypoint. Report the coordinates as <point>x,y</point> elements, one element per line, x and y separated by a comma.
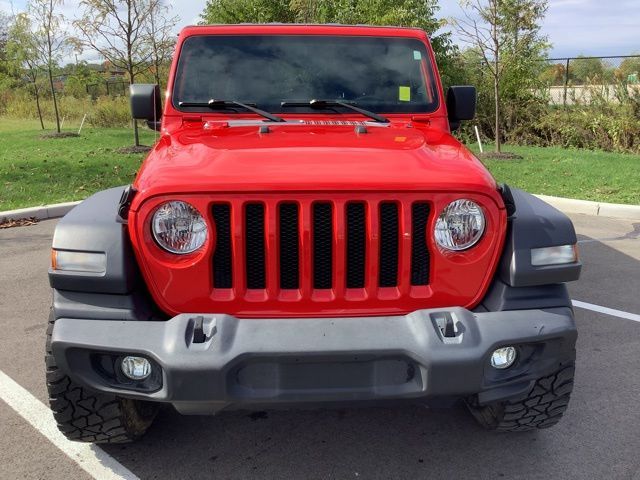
<point>324,245</point>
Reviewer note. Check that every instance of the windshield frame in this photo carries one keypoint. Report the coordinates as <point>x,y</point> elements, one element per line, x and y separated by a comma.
<point>429,67</point>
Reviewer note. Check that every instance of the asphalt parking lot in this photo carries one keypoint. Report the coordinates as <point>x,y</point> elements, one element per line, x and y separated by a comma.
<point>598,438</point>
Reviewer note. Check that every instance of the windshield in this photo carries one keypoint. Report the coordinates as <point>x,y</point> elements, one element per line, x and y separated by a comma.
<point>381,74</point>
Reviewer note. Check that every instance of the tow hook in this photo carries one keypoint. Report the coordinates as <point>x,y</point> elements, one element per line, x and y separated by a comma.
<point>200,329</point>
<point>450,330</point>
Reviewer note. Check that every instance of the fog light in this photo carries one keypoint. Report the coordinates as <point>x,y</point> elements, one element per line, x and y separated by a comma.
<point>503,357</point>
<point>136,368</point>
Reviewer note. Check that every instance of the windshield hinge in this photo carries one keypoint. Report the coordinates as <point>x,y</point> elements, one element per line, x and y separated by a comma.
<point>125,203</point>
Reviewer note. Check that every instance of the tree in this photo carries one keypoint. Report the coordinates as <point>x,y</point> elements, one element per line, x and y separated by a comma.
<point>629,67</point>
<point>247,11</point>
<point>159,30</point>
<point>116,30</point>
<point>5,26</point>
<point>506,35</point>
<point>50,40</point>
<point>586,70</point>
<point>6,79</point>
<point>23,56</point>
<point>553,74</point>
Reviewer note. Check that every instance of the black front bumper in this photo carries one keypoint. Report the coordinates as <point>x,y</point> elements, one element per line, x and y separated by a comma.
<point>257,363</point>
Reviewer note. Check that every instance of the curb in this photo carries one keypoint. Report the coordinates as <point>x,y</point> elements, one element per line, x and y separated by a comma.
<point>599,209</point>
<point>567,205</point>
<point>43,212</point>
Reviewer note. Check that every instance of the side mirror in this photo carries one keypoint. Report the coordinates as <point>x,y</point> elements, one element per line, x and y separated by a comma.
<point>461,104</point>
<point>146,103</point>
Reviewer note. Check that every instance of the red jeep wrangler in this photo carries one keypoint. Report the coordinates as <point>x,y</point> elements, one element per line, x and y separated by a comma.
<point>307,232</point>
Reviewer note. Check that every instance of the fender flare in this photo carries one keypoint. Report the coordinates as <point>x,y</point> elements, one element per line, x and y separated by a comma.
<point>93,226</point>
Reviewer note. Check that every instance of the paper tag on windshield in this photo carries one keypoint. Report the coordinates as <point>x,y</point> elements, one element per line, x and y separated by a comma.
<point>417,55</point>
<point>404,94</point>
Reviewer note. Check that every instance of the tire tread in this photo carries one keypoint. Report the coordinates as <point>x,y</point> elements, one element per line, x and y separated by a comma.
<point>542,408</point>
<point>83,415</point>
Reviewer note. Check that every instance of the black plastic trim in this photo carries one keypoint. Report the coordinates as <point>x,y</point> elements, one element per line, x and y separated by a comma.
<point>535,224</point>
<point>319,361</point>
<point>503,297</point>
<point>136,306</point>
<point>92,226</point>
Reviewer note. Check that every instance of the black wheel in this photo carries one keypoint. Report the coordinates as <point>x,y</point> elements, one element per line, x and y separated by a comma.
<point>84,415</point>
<point>542,408</point>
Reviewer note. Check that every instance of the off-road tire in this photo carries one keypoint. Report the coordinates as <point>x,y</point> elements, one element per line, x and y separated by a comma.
<point>84,415</point>
<point>542,408</point>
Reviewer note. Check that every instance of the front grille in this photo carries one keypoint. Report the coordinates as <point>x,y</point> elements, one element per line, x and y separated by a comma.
<point>336,246</point>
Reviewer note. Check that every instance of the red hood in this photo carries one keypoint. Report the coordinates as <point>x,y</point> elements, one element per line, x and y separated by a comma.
<point>214,158</point>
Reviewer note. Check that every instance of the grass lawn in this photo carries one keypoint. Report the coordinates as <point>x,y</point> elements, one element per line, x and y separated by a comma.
<point>36,171</point>
<point>572,173</point>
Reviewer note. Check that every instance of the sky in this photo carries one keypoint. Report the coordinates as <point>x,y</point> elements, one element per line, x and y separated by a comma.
<point>574,27</point>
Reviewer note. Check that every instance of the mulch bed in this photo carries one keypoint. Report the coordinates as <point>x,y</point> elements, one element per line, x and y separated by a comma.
<point>499,156</point>
<point>133,149</point>
<point>24,222</point>
<point>59,135</point>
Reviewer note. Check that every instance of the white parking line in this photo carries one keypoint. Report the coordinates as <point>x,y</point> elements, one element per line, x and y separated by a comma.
<point>607,311</point>
<point>91,458</point>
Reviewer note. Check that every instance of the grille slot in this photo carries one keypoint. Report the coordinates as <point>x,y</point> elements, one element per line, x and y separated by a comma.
<point>289,246</point>
<point>222,272</point>
<point>419,251</point>
<point>322,245</point>
<point>356,244</point>
<point>254,241</point>
<point>388,245</point>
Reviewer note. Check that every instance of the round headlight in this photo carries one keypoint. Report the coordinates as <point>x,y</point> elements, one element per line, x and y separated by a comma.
<point>460,225</point>
<point>178,227</point>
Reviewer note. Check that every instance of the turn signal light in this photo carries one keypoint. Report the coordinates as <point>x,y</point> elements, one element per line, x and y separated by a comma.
<point>558,255</point>
<point>85,262</point>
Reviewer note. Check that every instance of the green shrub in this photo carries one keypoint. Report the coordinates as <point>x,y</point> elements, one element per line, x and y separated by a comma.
<point>103,112</point>
<point>613,128</point>
<point>111,112</point>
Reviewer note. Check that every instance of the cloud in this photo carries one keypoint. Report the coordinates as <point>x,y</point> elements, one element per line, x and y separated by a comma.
<point>590,27</point>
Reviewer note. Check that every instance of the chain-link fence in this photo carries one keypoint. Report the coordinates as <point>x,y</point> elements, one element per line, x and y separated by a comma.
<point>111,88</point>
<point>583,80</point>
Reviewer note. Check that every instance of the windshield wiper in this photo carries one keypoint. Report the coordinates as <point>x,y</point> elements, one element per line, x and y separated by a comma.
<point>324,104</point>
<point>225,104</point>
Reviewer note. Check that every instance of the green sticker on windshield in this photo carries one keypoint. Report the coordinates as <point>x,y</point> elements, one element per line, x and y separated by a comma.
<point>417,55</point>
<point>404,94</point>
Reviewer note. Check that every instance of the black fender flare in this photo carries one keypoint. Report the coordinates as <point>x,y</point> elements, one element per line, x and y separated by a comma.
<point>534,223</point>
<point>94,226</point>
